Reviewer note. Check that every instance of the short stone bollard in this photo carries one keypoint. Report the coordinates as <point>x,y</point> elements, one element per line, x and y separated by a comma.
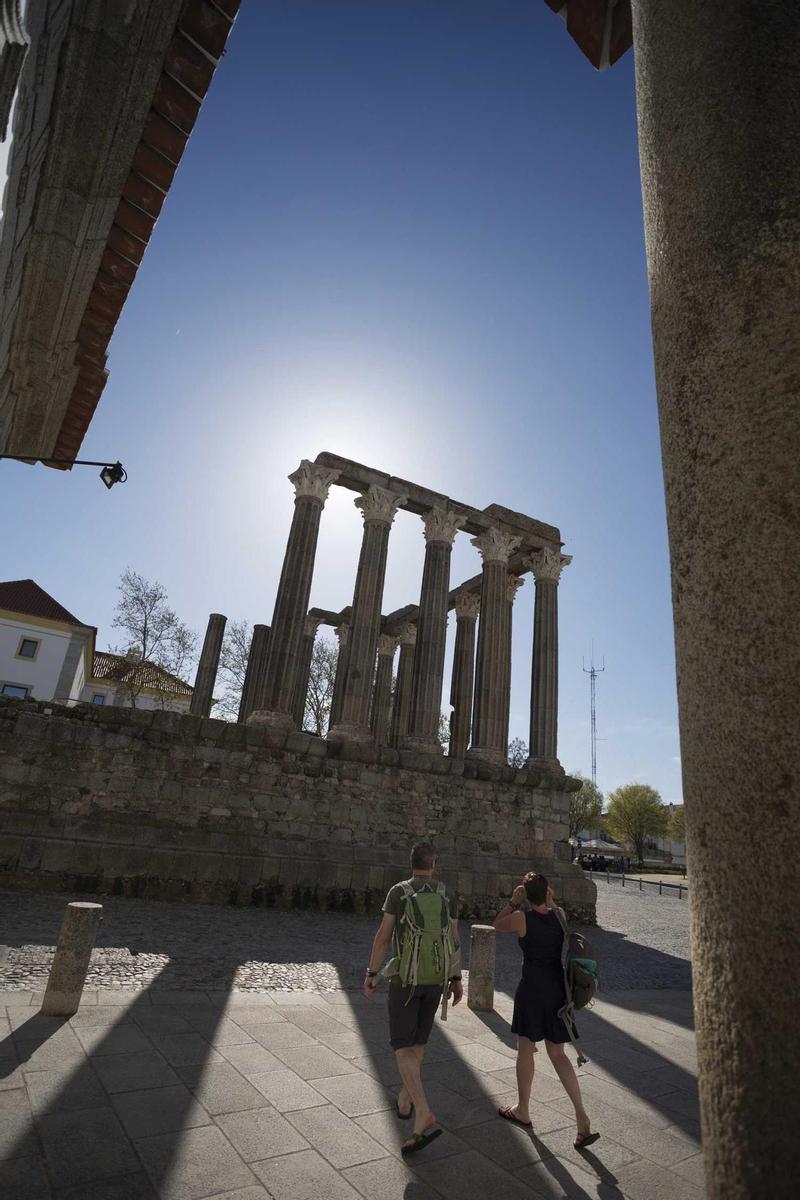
<point>480,991</point>
<point>71,962</point>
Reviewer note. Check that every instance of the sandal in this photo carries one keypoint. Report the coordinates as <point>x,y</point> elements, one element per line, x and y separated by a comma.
<point>585,1139</point>
<point>508,1115</point>
<point>403,1116</point>
<point>418,1141</point>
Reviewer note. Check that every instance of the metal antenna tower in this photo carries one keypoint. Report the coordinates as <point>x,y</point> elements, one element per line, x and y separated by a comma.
<point>593,671</point>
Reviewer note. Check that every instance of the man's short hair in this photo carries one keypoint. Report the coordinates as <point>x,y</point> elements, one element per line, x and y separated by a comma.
<point>423,857</point>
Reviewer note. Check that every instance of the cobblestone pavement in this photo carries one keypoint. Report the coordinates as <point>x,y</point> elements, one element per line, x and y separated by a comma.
<point>642,942</point>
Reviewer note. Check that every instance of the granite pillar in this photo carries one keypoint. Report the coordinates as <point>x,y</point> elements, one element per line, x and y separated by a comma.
<point>491,676</point>
<point>206,677</point>
<point>401,701</point>
<point>719,110</point>
<point>378,508</point>
<point>311,483</point>
<point>546,566</point>
<point>254,671</point>
<point>304,668</point>
<point>462,685</point>
<point>382,693</point>
<point>514,584</point>
<point>441,527</point>
<point>343,637</point>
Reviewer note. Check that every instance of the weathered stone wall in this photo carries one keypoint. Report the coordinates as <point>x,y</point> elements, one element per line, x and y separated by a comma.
<point>168,806</point>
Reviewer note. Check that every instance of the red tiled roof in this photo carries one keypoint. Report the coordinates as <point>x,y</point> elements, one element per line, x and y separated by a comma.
<point>115,668</point>
<point>24,596</point>
<point>191,59</point>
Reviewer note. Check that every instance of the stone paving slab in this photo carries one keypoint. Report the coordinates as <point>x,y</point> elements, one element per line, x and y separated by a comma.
<point>111,1118</point>
<point>186,1085</point>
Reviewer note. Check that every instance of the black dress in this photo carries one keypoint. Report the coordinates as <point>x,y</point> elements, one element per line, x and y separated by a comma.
<point>541,991</point>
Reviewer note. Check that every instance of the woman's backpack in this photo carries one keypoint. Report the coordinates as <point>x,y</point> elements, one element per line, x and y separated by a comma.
<point>581,978</point>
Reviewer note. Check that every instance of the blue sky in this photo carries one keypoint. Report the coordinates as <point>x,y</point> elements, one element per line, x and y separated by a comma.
<point>410,233</point>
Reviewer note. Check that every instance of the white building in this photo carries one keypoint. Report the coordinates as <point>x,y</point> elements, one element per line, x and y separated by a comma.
<point>48,654</point>
<point>45,652</point>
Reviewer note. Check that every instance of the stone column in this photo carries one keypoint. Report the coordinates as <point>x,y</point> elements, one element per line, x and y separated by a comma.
<point>310,628</point>
<point>719,109</point>
<point>546,566</point>
<point>401,704</point>
<point>441,527</point>
<point>490,672</point>
<point>311,484</point>
<point>382,695</point>
<point>462,686</point>
<point>254,671</point>
<point>343,637</point>
<point>378,507</point>
<point>206,677</point>
<point>514,584</point>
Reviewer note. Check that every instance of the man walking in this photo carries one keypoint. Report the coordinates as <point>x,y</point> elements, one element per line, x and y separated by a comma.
<point>420,924</point>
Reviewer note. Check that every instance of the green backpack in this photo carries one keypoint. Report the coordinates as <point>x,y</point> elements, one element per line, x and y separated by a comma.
<point>423,945</point>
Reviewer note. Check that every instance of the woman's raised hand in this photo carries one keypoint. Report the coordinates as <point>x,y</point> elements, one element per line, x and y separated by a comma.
<point>519,895</point>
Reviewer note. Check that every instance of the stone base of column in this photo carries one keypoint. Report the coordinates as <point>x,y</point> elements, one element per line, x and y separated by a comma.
<point>495,757</point>
<point>347,732</point>
<point>422,745</point>
<point>548,766</point>
<point>275,720</point>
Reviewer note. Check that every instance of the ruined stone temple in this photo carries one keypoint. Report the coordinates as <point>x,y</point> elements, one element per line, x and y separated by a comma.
<point>259,812</point>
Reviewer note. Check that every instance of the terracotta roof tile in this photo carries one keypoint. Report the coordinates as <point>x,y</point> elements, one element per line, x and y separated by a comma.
<point>118,669</point>
<point>24,596</point>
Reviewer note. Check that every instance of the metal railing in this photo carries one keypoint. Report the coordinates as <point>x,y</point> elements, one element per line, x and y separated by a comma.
<point>659,883</point>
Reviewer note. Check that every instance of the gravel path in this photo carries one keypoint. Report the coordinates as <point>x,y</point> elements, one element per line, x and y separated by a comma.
<point>642,942</point>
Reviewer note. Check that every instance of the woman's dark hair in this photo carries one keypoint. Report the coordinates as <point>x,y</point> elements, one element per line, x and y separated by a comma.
<point>423,857</point>
<point>535,887</point>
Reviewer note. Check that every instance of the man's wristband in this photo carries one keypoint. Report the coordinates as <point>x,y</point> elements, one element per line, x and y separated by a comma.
<point>371,974</point>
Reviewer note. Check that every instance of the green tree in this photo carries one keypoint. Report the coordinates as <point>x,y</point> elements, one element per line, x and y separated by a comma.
<point>677,824</point>
<point>585,805</point>
<point>636,812</point>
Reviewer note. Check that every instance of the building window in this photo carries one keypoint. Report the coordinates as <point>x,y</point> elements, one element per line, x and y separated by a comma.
<point>99,698</point>
<point>28,648</point>
<point>15,690</point>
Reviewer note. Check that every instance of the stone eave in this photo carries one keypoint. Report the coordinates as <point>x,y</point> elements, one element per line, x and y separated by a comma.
<point>123,98</point>
<point>602,29</point>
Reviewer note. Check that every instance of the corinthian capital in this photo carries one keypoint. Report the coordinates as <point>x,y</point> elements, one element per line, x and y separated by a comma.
<point>495,546</point>
<point>379,504</point>
<point>343,633</point>
<point>548,564</point>
<point>442,525</point>
<point>310,626</point>
<point>387,644</point>
<point>468,604</point>
<point>312,480</point>
<point>514,584</point>
<point>407,636</point>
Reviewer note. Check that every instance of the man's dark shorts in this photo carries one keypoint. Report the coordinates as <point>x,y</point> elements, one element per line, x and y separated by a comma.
<point>410,1023</point>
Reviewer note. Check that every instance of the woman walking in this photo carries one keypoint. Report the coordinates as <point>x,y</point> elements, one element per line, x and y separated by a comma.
<point>531,914</point>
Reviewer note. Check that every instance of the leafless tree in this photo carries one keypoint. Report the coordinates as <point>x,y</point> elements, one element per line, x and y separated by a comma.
<point>517,753</point>
<point>320,687</point>
<point>232,667</point>
<point>154,634</point>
